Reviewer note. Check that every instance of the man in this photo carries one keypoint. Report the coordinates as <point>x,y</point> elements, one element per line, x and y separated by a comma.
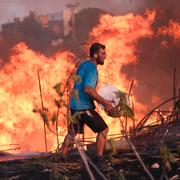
<point>86,88</point>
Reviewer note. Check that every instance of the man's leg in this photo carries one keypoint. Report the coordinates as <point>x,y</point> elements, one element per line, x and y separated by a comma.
<point>69,139</point>
<point>67,144</point>
<point>97,124</point>
<point>73,129</point>
<point>100,161</point>
<point>100,141</point>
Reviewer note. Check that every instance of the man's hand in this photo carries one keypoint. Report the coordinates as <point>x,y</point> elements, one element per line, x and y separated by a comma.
<point>107,105</point>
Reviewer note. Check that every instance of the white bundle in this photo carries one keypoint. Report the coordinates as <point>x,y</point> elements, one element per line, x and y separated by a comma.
<point>119,100</point>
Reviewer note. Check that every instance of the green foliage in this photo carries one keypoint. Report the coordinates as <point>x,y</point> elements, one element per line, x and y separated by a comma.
<point>121,95</point>
<point>58,103</point>
<point>56,174</point>
<point>58,90</point>
<point>53,118</point>
<point>122,109</point>
<point>45,117</point>
<point>121,177</point>
<point>70,118</point>
<point>75,94</point>
<point>73,119</point>
<point>76,77</point>
<point>167,157</point>
<point>126,110</point>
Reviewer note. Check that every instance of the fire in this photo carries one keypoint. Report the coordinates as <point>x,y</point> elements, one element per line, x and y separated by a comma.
<point>19,89</point>
<point>20,94</point>
<point>172,30</point>
<point>120,35</point>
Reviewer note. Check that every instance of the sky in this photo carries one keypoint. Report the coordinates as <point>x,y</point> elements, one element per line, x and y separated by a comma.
<point>20,8</point>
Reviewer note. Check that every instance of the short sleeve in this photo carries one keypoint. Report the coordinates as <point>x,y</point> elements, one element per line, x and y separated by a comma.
<point>91,78</point>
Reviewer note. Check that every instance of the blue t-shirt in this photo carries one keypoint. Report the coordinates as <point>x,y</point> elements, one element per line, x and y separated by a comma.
<point>88,74</point>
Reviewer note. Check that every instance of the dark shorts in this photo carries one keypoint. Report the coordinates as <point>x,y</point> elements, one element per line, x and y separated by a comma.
<point>89,117</point>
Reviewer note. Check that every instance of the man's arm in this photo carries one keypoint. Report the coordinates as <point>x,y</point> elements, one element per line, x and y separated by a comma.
<point>92,92</point>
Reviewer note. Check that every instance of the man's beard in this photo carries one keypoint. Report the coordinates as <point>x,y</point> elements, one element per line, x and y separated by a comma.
<point>101,62</point>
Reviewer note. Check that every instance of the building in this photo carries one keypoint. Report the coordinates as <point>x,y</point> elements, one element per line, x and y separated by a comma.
<point>43,19</point>
<point>54,22</point>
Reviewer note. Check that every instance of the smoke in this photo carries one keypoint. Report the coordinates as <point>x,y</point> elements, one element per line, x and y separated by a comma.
<point>18,8</point>
<point>158,56</point>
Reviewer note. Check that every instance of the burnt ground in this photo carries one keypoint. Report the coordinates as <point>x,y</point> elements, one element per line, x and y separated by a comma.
<point>124,165</point>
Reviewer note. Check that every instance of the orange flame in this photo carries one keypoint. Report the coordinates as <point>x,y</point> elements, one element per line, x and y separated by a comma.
<point>120,34</point>
<point>20,94</point>
<point>173,30</point>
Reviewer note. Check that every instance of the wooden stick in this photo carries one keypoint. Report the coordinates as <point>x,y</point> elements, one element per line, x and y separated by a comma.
<point>174,86</point>
<point>42,106</point>
<point>57,135</point>
<point>136,153</point>
<point>145,118</point>
<point>85,160</point>
<point>130,88</point>
<point>128,97</point>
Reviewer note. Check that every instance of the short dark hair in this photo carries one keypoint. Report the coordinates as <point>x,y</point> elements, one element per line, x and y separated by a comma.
<point>95,48</point>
